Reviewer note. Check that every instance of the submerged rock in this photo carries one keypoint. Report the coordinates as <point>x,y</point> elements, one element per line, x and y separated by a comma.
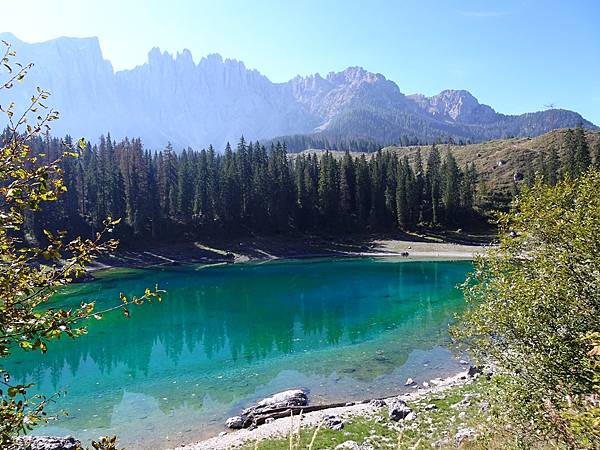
<point>398,409</point>
<point>47,443</point>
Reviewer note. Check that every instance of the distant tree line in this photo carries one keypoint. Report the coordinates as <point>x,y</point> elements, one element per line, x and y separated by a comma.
<point>327,141</point>
<point>572,158</point>
<point>252,189</point>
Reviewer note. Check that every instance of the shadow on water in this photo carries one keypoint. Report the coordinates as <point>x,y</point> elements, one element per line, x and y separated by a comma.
<point>226,335</point>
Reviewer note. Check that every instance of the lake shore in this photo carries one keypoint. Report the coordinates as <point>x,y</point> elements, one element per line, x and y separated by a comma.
<point>280,428</point>
<point>211,251</point>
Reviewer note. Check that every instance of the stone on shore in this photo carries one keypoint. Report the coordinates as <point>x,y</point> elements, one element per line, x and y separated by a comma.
<point>353,445</point>
<point>463,434</point>
<point>285,399</point>
<point>398,409</point>
<point>235,422</point>
<point>281,400</point>
<point>47,443</point>
<point>377,403</point>
<point>334,423</point>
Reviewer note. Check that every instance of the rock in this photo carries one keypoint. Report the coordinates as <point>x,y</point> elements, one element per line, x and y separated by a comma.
<point>398,410</point>
<point>425,384</point>
<point>462,404</point>
<point>411,416</point>
<point>377,403</point>
<point>473,370</point>
<point>484,405</point>
<point>348,445</point>
<point>235,422</point>
<point>334,423</point>
<point>488,370</point>
<point>430,407</point>
<point>462,434</point>
<point>281,400</point>
<point>462,415</point>
<point>409,382</point>
<point>47,443</point>
<point>518,176</point>
<point>223,433</point>
<point>353,445</point>
<point>285,399</point>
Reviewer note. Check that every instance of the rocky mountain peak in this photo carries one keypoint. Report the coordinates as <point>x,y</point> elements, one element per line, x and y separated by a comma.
<point>170,98</point>
<point>458,106</point>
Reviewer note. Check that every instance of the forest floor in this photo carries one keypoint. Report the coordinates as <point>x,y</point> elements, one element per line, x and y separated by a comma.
<point>424,245</point>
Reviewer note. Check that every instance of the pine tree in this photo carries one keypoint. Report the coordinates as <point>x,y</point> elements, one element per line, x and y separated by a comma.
<point>467,189</point>
<point>583,159</point>
<point>347,190</point>
<point>229,204</point>
<point>433,187</point>
<point>552,167</point>
<point>569,151</point>
<point>451,179</point>
<point>596,151</point>
<point>328,189</point>
<point>419,186</point>
<point>402,198</point>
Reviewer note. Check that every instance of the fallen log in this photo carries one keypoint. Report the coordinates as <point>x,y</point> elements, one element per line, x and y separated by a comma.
<point>253,420</point>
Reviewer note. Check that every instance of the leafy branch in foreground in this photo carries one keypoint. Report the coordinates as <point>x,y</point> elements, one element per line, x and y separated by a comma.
<point>30,274</point>
<point>535,311</point>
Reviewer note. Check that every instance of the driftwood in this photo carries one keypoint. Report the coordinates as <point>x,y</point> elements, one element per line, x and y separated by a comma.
<point>252,420</point>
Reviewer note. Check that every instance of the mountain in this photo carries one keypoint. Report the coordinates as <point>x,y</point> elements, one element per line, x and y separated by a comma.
<point>173,99</point>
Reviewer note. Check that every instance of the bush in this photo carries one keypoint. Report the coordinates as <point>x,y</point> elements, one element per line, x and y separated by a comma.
<point>534,309</point>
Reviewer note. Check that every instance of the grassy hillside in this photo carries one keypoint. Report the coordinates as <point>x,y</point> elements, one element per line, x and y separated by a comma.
<point>498,160</point>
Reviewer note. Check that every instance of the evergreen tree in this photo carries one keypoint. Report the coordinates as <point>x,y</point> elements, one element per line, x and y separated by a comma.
<point>596,151</point>
<point>451,180</point>
<point>552,167</point>
<point>569,151</point>
<point>583,159</point>
<point>433,187</point>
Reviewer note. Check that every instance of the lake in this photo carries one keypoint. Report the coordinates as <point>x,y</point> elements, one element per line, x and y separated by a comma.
<point>224,336</point>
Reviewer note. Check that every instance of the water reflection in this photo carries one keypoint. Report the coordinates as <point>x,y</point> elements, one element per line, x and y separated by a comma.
<point>224,334</point>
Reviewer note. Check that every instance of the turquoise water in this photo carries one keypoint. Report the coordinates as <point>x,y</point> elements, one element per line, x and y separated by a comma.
<point>225,336</point>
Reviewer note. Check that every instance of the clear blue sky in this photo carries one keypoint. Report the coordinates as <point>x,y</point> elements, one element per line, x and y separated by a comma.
<point>516,56</point>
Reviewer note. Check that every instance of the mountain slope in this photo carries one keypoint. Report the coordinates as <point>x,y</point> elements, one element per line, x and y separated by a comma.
<point>172,99</point>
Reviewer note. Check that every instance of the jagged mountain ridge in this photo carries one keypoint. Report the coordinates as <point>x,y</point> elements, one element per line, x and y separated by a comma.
<point>172,99</point>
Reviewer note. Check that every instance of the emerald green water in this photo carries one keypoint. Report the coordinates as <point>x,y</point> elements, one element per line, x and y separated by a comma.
<point>225,336</point>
